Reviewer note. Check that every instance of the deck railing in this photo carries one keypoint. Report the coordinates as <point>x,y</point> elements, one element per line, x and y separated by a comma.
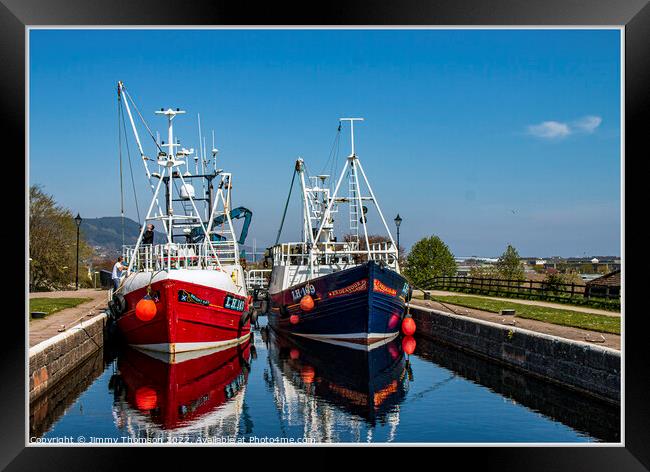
<point>343,253</point>
<point>177,256</point>
<point>258,278</point>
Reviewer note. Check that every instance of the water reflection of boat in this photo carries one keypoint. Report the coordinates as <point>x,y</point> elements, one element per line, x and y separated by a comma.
<point>316,385</point>
<point>191,396</point>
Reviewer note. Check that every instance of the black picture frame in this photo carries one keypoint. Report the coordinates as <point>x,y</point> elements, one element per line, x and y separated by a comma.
<point>15,15</point>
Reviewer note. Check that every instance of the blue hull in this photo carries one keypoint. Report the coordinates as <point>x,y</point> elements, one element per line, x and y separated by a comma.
<point>364,304</point>
<point>365,383</point>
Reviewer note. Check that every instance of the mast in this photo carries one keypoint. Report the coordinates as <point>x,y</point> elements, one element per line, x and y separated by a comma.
<point>353,168</point>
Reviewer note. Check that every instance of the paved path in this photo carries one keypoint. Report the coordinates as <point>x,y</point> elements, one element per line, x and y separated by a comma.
<point>561,306</point>
<point>44,328</point>
<point>577,334</point>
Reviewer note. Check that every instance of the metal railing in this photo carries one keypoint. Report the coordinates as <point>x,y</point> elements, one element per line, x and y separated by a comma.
<point>258,278</point>
<point>177,256</point>
<point>333,253</point>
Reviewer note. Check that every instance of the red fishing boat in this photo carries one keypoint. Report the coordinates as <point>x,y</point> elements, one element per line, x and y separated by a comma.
<point>188,393</point>
<point>189,291</point>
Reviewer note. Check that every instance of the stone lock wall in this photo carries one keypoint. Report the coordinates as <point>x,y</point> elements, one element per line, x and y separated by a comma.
<point>51,360</point>
<point>593,370</point>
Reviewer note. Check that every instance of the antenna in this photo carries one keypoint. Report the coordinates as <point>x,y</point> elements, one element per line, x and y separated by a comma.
<point>214,152</point>
<point>351,120</point>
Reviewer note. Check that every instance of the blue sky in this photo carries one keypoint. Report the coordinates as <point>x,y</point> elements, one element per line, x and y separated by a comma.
<point>483,137</point>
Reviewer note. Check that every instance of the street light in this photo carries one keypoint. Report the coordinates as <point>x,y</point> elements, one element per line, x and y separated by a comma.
<point>398,221</point>
<point>78,221</point>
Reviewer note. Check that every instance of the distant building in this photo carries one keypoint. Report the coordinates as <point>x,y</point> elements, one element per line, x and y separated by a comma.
<point>607,286</point>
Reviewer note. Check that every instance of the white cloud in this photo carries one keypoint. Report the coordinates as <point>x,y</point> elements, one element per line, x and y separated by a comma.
<point>557,130</point>
<point>550,130</point>
<point>588,124</point>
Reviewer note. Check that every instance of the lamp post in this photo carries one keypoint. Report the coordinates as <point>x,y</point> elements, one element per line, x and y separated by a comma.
<point>398,221</point>
<point>78,221</point>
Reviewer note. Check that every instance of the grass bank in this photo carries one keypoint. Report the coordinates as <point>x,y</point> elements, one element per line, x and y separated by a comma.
<point>594,322</point>
<point>52,305</point>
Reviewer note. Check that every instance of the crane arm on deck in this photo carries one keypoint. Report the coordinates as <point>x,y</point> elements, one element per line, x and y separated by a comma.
<point>236,213</point>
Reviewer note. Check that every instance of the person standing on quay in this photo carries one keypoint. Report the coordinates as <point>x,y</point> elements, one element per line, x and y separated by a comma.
<point>118,268</point>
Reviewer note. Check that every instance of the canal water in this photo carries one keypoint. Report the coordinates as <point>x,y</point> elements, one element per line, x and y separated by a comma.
<point>286,390</point>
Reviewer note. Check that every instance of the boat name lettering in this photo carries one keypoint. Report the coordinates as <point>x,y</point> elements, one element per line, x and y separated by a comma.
<point>358,286</point>
<point>377,286</point>
<point>187,297</point>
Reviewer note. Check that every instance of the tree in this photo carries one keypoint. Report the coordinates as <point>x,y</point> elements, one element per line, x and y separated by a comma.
<point>509,264</point>
<point>52,243</point>
<point>429,257</point>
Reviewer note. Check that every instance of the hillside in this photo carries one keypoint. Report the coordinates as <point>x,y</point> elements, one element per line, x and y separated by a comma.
<point>106,232</point>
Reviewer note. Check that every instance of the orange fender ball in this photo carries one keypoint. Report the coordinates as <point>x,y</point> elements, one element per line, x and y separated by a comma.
<point>408,326</point>
<point>393,321</point>
<point>146,398</point>
<point>307,303</point>
<point>307,374</point>
<point>408,345</point>
<point>294,319</point>
<point>145,310</point>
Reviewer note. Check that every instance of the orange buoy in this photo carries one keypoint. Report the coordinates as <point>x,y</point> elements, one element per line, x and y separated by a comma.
<point>408,326</point>
<point>307,303</point>
<point>145,310</point>
<point>408,344</point>
<point>294,319</point>
<point>307,374</point>
<point>146,398</point>
<point>393,321</point>
<point>294,354</point>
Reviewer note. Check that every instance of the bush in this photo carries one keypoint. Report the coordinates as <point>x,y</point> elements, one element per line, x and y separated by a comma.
<point>429,258</point>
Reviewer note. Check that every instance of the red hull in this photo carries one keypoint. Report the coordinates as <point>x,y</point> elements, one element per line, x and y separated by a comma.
<point>176,395</point>
<point>200,321</point>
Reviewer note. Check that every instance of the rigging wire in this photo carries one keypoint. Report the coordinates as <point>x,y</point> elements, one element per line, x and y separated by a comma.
<point>128,96</point>
<point>286,205</point>
<point>335,142</point>
<point>128,152</point>
<point>119,134</point>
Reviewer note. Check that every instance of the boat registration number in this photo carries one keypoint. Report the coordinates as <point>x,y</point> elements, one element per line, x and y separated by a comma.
<point>234,303</point>
<point>298,293</point>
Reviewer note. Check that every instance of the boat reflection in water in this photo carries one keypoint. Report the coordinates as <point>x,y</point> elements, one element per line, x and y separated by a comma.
<point>336,392</point>
<point>189,395</point>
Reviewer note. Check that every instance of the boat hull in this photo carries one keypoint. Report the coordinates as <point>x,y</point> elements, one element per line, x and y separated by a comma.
<point>368,383</point>
<point>183,394</point>
<point>361,305</point>
<point>188,317</point>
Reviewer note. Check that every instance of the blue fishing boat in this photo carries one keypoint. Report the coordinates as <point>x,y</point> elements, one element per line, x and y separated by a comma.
<point>370,384</point>
<point>351,290</point>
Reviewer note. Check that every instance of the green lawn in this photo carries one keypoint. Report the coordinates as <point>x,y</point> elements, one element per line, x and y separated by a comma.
<point>52,305</point>
<point>602,323</point>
